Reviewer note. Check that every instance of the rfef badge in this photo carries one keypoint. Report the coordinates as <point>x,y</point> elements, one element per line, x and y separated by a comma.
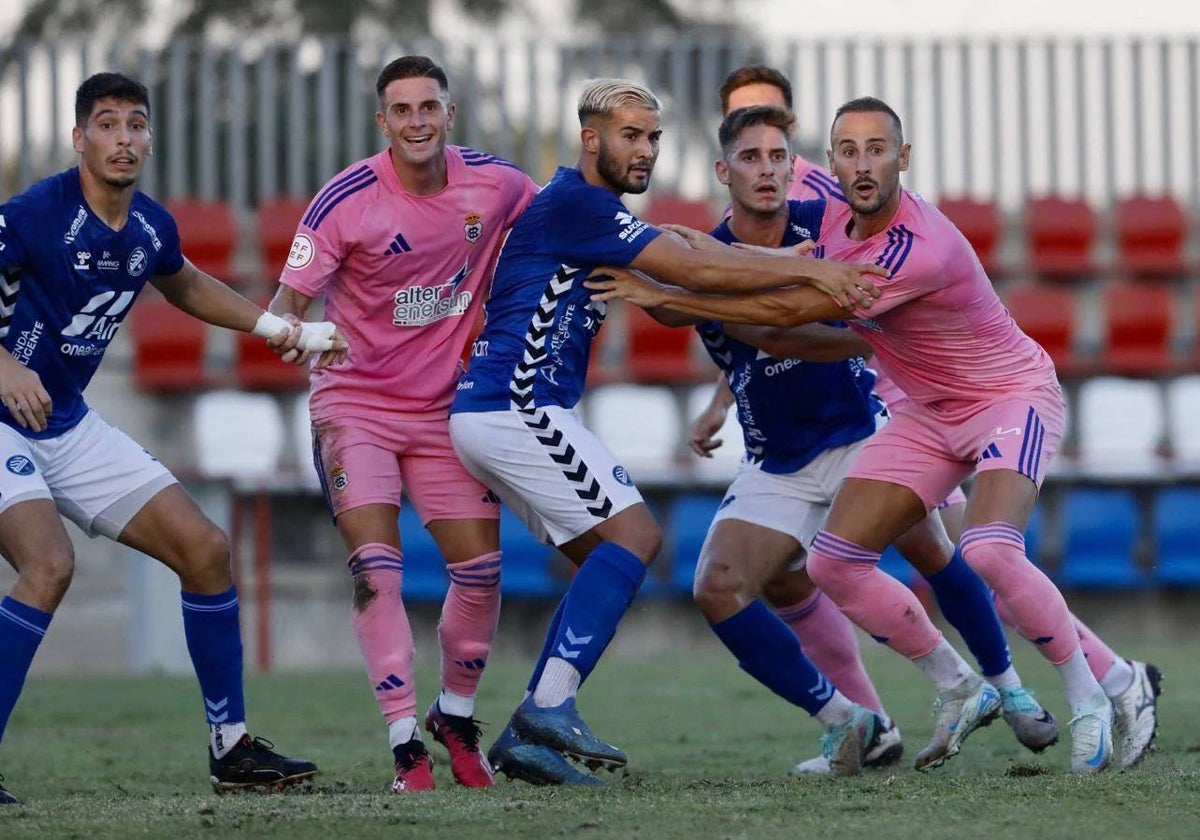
<point>473,227</point>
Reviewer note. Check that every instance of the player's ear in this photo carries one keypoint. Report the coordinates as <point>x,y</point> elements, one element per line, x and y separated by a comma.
<point>451,110</point>
<point>381,122</point>
<point>722,170</point>
<point>791,173</point>
<point>590,138</point>
<point>829,160</point>
<point>904,151</point>
<point>77,139</point>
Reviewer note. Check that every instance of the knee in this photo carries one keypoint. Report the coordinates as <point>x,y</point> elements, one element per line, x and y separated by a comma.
<point>646,543</point>
<point>988,555</point>
<point>206,557</point>
<point>788,588</point>
<point>718,589</point>
<point>51,574</point>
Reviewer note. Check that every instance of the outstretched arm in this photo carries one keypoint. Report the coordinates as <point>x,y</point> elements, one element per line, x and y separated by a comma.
<point>210,300</point>
<point>810,342</point>
<point>721,268</point>
<point>779,307</point>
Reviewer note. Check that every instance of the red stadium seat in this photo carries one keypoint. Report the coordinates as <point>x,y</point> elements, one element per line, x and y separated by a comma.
<point>256,367</point>
<point>658,354</point>
<point>277,223</point>
<point>168,346</point>
<point>980,223</point>
<point>1047,315</point>
<point>672,209</point>
<point>208,233</point>
<point>1138,318</point>
<point>1150,236</point>
<point>1060,236</point>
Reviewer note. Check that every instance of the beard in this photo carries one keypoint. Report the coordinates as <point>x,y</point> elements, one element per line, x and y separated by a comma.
<point>120,181</point>
<point>617,175</point>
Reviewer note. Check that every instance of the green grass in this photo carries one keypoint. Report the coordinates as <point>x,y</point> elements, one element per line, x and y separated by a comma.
<point>708,748</point>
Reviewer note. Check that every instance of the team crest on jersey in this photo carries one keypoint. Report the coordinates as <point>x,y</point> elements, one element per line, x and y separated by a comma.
<point>622,475</point>
<point>137,262</point>
<point>19,465</point>
<point>473,227</point>
<point>338,478</point>
<point>301,253</point>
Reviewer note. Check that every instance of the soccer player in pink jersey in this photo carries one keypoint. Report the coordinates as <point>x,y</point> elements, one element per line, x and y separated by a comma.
<point>984,398</point>
<point>399,245</point>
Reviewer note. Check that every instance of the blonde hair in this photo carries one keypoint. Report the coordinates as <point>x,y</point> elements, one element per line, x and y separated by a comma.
<point>601,97</point>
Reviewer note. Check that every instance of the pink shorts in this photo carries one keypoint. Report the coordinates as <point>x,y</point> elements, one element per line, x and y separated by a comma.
<point>932,455</point>
<point>367,459</point>
<point>956,497</point>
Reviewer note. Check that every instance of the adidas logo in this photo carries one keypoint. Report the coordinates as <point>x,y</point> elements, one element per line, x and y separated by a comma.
<point>470,664</point>
<point>398,246</point>
<point>390,684</point>
<point>992,451</point>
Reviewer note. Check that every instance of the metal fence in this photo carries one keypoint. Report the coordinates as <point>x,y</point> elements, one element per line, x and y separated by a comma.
<point>1001,119</point>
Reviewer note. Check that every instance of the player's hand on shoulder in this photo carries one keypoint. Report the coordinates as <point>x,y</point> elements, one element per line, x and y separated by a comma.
<point>611,283</point>
<point>22,393</point>
<point>851,285</point>
<point>694,239</point>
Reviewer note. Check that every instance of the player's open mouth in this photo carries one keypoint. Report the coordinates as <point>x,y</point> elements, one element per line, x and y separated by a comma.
<point>864,188</point>
<point>766,189</point>
<point>419,140</point>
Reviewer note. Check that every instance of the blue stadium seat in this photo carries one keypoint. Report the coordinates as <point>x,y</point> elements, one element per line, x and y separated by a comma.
<point>424,568</point>
<point>1100,528</point>
<point>690,516</point>
<point>526,570</point>
<point>1177,536</point>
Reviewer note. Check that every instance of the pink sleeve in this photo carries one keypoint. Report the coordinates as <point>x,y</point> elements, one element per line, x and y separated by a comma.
<point>915,273</point>
<point>315,257</point>
<point>521,191</point>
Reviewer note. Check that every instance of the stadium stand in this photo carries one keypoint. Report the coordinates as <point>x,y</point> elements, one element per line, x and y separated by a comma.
<point>1150,234</point>
<point>660,354</point>
<point>1047,315</point>
<point>1183,407</point>
<point>237,435</point>
<point>256,367</point>
<point>1100,533</point>
<point>687,526</point>
<point>1060,236</point>
<point>676,210</point>
<point>1138,322</point>
<point>168,346</point>
<point>209,234</point>
<point>641,424</point>
<point>1177,537</point>
<point>981,224</point>
<point>1121,425</point>
<point>277,221</point>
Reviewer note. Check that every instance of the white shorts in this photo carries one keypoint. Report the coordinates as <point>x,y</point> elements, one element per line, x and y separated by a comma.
<point>795,503</point>
<point>97,476</point>
<point>549,468</point>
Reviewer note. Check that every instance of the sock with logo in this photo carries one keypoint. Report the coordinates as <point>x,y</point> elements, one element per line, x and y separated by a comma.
<point>828,639</point>
<point>468,624</point>
<point>599,594</point>
<point>214,641</point>
<point>22,628</point>
<point>382,629</point>
<point>766,649</point>
<point>966,602</point>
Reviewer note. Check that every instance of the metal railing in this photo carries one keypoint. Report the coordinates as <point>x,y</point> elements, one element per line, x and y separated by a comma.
<point>1002,119</point>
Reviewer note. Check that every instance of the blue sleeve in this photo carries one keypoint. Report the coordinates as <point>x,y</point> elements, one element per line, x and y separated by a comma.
<point>591,226</point>
<point>170,258</point>
<point>14,219</point>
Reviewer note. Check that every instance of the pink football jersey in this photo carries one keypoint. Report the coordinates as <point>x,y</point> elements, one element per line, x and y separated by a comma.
<point>810,181</point>
<point>938,328</point>
<point>403,277</point>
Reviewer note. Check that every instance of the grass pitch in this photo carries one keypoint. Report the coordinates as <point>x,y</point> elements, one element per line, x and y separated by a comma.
<point>709,750</point>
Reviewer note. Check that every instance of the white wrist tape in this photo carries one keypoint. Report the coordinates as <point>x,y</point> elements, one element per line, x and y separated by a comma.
<point>315,337</point>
